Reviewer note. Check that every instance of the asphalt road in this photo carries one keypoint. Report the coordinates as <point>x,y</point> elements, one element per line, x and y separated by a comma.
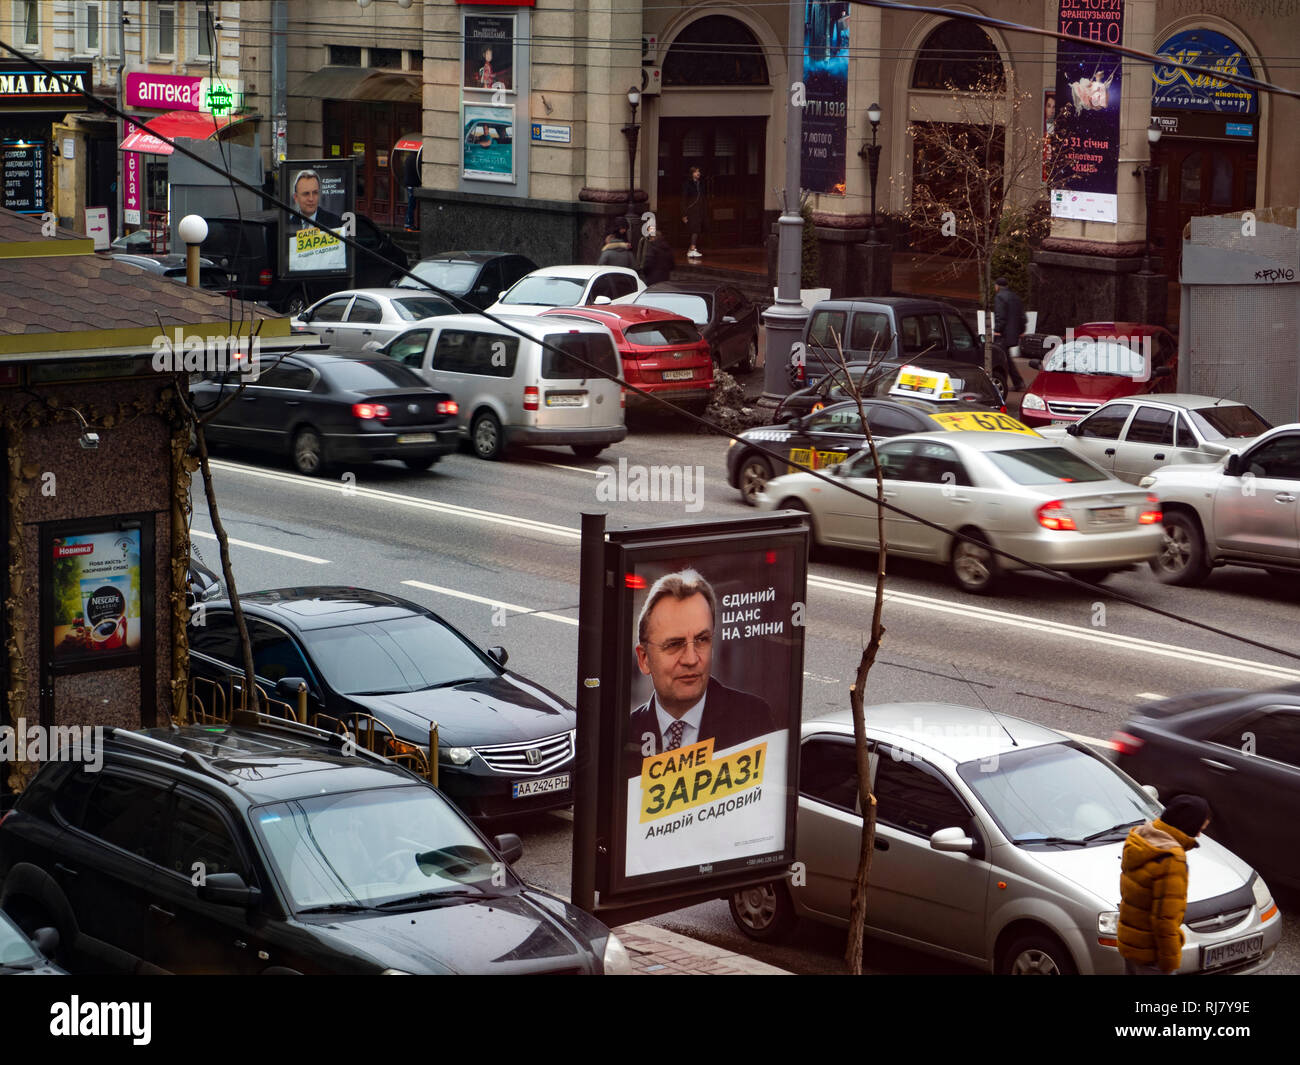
<point>493,547</point>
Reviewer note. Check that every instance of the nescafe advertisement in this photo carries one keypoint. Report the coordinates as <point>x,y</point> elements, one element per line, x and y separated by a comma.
<point>95,599</point>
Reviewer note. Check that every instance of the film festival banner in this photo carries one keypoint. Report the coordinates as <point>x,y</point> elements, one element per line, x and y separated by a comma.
<point>826,88</point>
<point>96,596</point>
<point>322,190</point>
<point>714,657</point>
<point>1087,105</point>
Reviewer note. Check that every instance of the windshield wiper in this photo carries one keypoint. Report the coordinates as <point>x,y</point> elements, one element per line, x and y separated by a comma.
<point>1050,839</point>
<point>1113,828</point>
<point>451,895</point>
<point>338,907</point>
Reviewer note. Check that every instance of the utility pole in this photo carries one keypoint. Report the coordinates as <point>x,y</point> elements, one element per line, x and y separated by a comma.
<point>279,84</point>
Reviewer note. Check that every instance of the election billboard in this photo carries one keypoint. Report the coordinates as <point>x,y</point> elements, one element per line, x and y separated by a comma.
<point>323,191</point>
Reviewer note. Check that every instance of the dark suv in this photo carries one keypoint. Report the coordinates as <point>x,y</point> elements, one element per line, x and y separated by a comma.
<point>246,249</point>
<point>272,847</point>
<point>899,328</point>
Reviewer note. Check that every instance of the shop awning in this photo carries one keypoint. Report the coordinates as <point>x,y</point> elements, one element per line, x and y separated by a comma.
<point>173,124</point>
<point>359,83</point>
<point>410,142</point>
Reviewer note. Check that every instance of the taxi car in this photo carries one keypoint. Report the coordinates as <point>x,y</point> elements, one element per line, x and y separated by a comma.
<point>920,400</point>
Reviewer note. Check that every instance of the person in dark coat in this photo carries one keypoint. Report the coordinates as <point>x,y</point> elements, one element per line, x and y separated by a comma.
<point>616,251</point>
<point>1008,324</point>
<point>657,259</point>
<point>694,210</point>
<point>411,177</point>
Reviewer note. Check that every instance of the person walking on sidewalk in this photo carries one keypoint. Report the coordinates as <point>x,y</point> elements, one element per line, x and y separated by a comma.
<point>1008,324</point>
<point>616,250</point>
<point>411,178</point>
<point>1153,887</point>
<point>694,210</point>
<point>656,257</point>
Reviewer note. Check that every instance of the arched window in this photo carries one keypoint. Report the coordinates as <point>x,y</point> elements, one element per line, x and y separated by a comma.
<point>715,50</point>
<point>958,54</point>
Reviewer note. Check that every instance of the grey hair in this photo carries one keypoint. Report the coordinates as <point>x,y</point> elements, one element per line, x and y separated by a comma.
<point>680,585</point>
<point>305,173</point>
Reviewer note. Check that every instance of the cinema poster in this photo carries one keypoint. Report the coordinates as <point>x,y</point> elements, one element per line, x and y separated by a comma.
<point>824,124</point>
<point>707,709</point>
<point>95,597</point>
<point>1087,111</point>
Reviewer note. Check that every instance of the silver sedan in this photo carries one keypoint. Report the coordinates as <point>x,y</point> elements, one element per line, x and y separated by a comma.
<point>998,845</point>
<point>351,320</point>
<point>1019,494</point>
<point>1133,436</point>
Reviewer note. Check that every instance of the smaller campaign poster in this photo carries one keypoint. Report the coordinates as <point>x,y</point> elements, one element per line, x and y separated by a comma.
<point>322,190</point>
<point>488,143</point>
<point>95,596</point>
<point>711,718</point>
<point>489,61</point>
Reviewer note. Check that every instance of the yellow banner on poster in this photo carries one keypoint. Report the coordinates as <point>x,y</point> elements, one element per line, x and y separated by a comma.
<point>690,776</point>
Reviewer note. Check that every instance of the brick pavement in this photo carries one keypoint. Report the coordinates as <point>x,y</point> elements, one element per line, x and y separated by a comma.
<point>656,951</point>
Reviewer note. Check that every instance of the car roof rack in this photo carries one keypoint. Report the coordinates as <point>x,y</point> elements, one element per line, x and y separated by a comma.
<point>261,721</point>
<point>191,759</point>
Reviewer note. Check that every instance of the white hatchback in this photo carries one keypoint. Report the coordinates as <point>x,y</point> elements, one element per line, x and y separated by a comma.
<point>567,286</point>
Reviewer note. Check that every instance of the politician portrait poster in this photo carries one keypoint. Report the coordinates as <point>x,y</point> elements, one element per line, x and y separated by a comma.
<point>321,190</point>
<point>714,657</point>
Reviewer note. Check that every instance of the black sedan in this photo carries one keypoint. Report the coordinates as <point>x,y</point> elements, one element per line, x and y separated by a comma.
<point>1240,751</point>
<point>478,277</point>
<point>725,318</point>
<point>505,743</point>
<point>831,435</point>
<point>324,409</point>
<point>876,379</point>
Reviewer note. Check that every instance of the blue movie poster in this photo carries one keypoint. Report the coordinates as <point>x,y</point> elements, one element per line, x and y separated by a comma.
<point>1175,89</point>
<point>1087,110</point>
<point>826,84</point>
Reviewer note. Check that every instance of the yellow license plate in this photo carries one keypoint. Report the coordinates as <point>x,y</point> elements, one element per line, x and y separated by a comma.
<point>991,422</point>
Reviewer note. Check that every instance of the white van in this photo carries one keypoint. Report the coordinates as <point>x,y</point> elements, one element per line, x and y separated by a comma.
<point>511,390</point>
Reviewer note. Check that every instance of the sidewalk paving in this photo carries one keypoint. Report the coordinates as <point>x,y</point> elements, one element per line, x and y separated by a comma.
<point>656,951</point>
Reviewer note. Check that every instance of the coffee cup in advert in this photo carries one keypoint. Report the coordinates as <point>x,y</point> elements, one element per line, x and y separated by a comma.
<point>105,614</point>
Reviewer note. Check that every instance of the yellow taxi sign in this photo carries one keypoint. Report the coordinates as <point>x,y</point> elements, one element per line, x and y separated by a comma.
<point>982,421</point>
<point>917,381</point>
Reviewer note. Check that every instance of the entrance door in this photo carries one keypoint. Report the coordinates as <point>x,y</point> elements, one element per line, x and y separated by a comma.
<point>101,185</point>
<point>731,157</point>
<point>1199,177</point>
<point>368,130</point>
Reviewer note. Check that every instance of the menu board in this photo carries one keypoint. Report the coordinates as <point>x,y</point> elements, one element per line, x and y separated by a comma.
<point>24,176</point>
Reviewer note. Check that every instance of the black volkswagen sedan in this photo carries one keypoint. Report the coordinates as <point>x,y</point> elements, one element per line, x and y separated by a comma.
<point>830,435</point>
<point>723,315</point>
<point>505,744</point>
<point>1240,751</point>
<point>272,849</point>
<point>324,409</point>
<point>477,277</point>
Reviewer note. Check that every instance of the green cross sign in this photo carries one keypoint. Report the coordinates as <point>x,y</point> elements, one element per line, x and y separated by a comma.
<point>219,100</point>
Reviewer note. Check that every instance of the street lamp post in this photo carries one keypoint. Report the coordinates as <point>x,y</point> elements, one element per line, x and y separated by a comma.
<point>1149,172</point>
<point>631,131</point>
<point>871,153</point>
<point>193,231</point>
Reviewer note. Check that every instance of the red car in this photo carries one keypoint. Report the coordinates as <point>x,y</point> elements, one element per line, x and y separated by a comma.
<point>1100,362</point>
<point>662,352</point>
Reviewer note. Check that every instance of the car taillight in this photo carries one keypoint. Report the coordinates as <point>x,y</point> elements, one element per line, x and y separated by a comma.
<point>1053,516</point>
<point>1003,408</point>
<point>448,406</point>
<point>366,411</point>
<point>264,277</point>
<point>1126,743</point>
<point>531,397</point>
<point>1152,515</point>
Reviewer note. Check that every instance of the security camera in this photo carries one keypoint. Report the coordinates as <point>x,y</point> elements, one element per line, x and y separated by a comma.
<point>89,440</point>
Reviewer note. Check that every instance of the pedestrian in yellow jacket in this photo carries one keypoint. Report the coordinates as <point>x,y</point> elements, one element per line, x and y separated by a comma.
<point>1153,887</point>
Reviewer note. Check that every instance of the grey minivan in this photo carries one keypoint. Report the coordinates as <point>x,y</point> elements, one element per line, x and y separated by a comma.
<point>512,390</point>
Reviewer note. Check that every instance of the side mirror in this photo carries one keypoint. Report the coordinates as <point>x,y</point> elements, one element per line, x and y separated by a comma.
<point>795,423</point>
<point>1150,789</point>
<point>1162,371</point>
<point>371,345</point>
<point>600,301</point>
<point>1072,429</point>
<point>1233,467</point>
<point>498,655</point>
<point>510,847</point>
<point>228,889</point>
<point>953,840</point>
<point>287,688</point>
<point>304,316</point>
<point>46,940</point>
<point>728,319</point>
<point>1035,364</point>
<point>501,295</point>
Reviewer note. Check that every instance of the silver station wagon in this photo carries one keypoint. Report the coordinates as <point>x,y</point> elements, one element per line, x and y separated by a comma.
<point>1016,493</point>
<point>998,845</point>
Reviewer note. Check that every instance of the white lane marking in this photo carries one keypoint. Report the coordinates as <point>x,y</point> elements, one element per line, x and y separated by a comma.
<point>1151,696</point>
<point>1042,626</point>
<point>262,547</point>
<point>575,469</point>
<point>1091,740</point>
<point>398,499</point>
<point>492,602</point>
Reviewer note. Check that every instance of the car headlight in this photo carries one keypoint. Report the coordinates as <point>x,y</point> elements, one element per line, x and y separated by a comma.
<point>1263,897</point>
<point>1032,402</point>
<point>1108,924</point>
<point>458,755</point>
<point>731,444</point>
<point>615,959</point>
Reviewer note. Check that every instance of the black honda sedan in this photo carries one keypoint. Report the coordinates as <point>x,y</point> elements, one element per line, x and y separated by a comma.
<point>722,313</point>
<point>478,277</point>
<point>1240,751</point>
<point>324,409</point>
<point>505,743</point>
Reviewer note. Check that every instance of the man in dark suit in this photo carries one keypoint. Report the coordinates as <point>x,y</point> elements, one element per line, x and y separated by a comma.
<point>1008,324</point>
<point>306,198</point>
<point>674,648</point>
